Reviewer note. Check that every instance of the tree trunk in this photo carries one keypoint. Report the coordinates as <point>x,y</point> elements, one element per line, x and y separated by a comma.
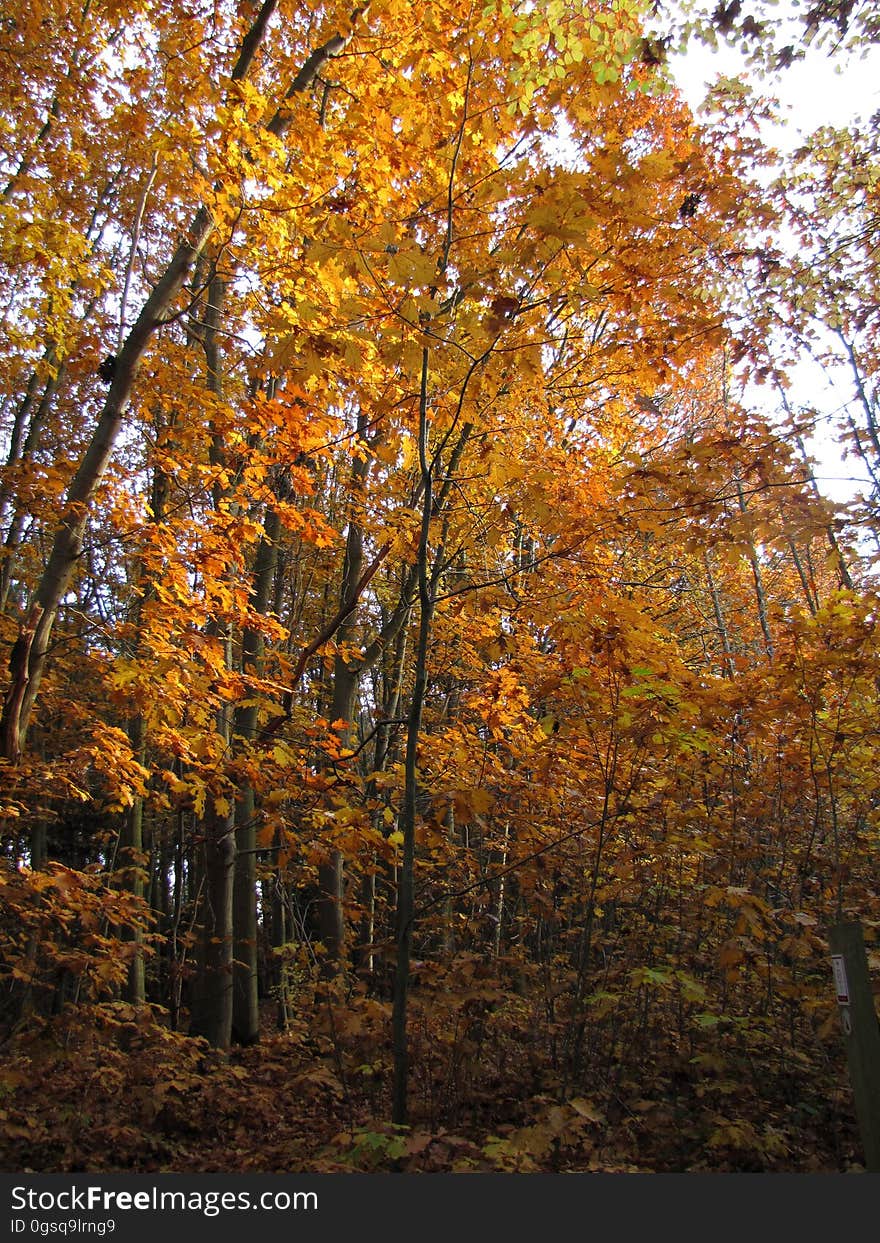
<point>280,938</point>
<point>406,878</point>
<point>211,1009</point>
<point>246,1007</point>
<point>346,680</point>
<point>331,873</point>
<point>246,1016</point>
<point>131,865</point>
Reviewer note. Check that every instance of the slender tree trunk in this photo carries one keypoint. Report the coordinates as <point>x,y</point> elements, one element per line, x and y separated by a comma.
<point>449,901</point>
<point>175,954</point>
<point>132,841</point>
<point>246,1016</point>
<point>131,865</point>
<point>727,652</point>
<point>499,906</point>
<point>406,878</point>
<point>331,873</point>
<point>757,577</point>
<point>211,1009</point>
<point>393,686</point>
<point>809,589</point>
<point>280,940</point>
<point>346,681</point>
<point>246,1005</point>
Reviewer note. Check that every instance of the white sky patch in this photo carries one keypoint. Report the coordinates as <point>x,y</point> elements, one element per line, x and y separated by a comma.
<point>821,90</point>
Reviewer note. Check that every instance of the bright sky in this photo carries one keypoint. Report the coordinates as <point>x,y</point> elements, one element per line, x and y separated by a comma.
<point>820,90</point>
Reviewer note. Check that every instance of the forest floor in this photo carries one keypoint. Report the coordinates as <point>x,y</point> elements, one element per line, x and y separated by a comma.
<point>111,1089</point>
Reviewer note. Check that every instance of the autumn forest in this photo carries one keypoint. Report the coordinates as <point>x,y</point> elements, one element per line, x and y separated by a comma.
<point>439,697</point>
